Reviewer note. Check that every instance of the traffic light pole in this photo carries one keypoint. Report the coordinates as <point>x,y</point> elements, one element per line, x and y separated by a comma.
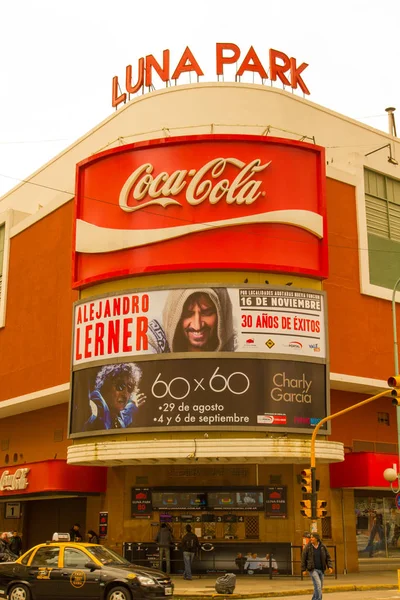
<point>314,496</point>
<point>313,439</point>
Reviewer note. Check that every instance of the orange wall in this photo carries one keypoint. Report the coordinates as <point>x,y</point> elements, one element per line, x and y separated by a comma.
<point>36,340</point>
<point>31,436</point>
<point>360,327</point>
<point>362,424</point>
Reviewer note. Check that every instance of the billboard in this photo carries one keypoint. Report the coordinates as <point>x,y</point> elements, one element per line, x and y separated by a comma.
<point>223,202</point>
<point>268,320</point>
<point>198,393</point>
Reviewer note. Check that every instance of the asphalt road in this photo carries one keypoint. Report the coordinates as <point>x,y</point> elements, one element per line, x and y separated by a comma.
<point>363,595</point>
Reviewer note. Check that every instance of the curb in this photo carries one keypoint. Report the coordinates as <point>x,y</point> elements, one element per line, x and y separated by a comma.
<point>292,592</point>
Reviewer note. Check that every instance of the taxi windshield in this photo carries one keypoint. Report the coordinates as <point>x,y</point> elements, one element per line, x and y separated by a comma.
<point>106,556</point>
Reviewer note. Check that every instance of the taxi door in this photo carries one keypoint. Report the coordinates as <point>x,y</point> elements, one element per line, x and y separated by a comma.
<point>43,572</point>
<point>75,580</point>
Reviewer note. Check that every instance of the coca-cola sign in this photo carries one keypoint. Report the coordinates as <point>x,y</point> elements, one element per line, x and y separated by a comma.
<point>242,190</point>
<point>14,481</point>
<point>246,202</point>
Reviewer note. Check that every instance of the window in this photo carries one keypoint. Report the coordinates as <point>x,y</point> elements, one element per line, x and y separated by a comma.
<point>380,447</point>
<point>363,446</point>
<point>383,418</point>
<point>2,240</point>
<point>75,559</point>
<point>26,558</point>
<point>382,199</point>
<point>46,556</point>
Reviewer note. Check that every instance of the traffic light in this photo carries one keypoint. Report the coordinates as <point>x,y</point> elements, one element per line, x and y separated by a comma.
<point>394,382</point>
<point>321,509</point>
<point>305,508</point>
<point>306,481</point>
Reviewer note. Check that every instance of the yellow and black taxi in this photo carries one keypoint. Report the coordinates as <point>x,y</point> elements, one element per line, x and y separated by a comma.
<point>71,570</point>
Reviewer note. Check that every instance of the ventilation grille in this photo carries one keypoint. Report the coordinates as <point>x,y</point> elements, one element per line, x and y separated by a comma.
<point>251,527</point>
<point>326,527</point>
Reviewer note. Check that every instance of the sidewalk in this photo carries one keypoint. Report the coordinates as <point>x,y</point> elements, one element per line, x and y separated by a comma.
<point>262,587</point>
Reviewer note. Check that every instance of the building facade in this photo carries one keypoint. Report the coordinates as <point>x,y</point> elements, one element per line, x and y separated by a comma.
<point>272,222</point>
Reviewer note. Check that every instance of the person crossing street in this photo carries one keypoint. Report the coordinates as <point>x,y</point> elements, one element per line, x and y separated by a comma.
<point>315,559</point>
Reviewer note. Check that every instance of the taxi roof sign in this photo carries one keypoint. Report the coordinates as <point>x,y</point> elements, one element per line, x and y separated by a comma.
<point>60,537</point>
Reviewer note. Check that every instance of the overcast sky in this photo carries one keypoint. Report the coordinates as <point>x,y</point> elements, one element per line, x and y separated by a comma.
<point>58,58</point>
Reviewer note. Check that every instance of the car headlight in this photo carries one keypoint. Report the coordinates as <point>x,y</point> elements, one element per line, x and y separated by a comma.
<point>146,580</point>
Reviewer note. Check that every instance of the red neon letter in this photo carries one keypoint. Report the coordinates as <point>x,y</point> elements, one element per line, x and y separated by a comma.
<point>99,339</point>
<point>163,72</point>
<point>279,70</point>
<point>182,67</point>
<point>141,333</point>
<point>295,76</point>
<point>127,334</point>
<point>222,60</point>
<point>132,89</point>
<point>115,98</point>
<point>78,354</point>
<point>254,66</point>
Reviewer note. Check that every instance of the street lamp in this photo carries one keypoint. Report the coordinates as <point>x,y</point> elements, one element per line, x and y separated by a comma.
<point>392,475</point>
<point>396,357</point>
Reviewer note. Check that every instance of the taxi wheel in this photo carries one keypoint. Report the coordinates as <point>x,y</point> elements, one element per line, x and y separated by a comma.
<point>117,593</point>
<point>19,592</point>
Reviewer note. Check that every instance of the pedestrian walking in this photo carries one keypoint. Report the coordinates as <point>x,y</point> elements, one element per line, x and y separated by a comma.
<point>164,539</point>
<point>16,543</point>
<point>190,547</point>
<point>5,553</point>
<point>93,537</point>
<point>315,559</point>
<point>75,533</point>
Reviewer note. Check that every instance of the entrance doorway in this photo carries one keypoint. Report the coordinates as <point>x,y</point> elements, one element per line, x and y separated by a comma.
<point>43,517</point>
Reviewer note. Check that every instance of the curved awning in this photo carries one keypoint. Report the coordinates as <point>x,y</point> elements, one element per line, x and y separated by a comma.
<point>203,450</point>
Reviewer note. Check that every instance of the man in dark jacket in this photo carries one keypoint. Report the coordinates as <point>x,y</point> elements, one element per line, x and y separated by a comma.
<point>190,547</point>
<point>5,553</point>
<point>75,533</point>
<point>16,544</point>
<point>165,539</point>
<point>315,559</point>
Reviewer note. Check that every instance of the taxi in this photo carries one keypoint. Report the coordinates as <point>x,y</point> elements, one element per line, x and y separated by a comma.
<point>70,570</point>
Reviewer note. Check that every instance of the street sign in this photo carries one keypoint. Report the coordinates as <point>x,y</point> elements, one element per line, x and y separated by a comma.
<point>398,501</point>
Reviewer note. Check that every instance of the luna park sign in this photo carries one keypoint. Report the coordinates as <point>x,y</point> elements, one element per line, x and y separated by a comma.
<point>280,67</point>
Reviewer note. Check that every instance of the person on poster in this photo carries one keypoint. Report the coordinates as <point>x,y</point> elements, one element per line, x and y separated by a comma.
<point>266,562</point>
<point>315,559</point>
<point>116,397</point>
<point>240,562</point>
<point>190,547</point>
<point>199,320</point>
<point>252,563</point>
<point>376,530</point>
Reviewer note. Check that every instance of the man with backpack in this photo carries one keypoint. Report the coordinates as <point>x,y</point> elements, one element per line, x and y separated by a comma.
<point>190,547</point>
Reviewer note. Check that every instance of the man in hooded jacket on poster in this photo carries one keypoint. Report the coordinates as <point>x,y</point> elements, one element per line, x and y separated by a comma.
<point>194,320</point>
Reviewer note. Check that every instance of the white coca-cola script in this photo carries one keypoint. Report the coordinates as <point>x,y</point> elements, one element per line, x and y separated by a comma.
<point>14,481</point>
<point>200,185</point>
